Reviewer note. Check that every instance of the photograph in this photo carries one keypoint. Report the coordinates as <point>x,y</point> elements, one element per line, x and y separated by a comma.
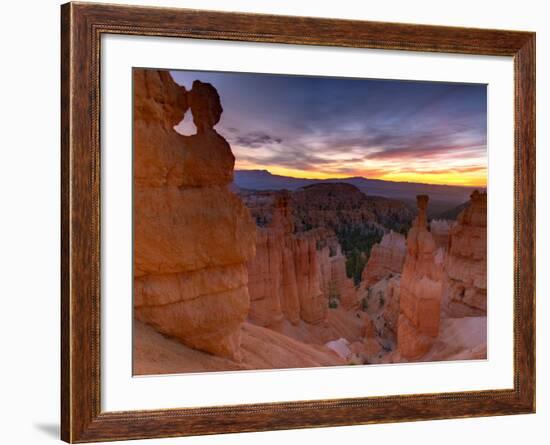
<point>284,221</point>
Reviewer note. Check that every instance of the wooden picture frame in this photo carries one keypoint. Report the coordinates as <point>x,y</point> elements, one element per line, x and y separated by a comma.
<point>82,25</point>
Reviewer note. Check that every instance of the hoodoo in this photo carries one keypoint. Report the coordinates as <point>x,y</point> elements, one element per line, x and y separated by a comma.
<point>420,289</point>
<point>192,236</point>
<point>466,265</point>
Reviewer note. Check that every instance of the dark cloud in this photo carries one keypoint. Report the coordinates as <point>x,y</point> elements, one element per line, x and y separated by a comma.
<point>256,139</point>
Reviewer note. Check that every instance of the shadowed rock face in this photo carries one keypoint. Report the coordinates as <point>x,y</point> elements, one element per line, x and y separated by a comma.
<point>192,236</point>
<point>420,289</point>
<point>205,105</point>
<point>334,280</point>
<point>440,229</point>
<point>386,258</point>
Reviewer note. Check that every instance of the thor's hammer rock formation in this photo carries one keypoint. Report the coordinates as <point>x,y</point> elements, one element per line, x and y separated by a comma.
<point>420,289</point>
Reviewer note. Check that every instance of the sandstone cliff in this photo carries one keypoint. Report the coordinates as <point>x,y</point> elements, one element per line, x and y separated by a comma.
<point>335,284</point>
<point>192,236</point>
<point>285,274</point>
<point>420,289</point>
<point>386,258</point>
<point>466,264</point>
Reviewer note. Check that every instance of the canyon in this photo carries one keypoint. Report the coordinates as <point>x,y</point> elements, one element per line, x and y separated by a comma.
<point>228,277</point>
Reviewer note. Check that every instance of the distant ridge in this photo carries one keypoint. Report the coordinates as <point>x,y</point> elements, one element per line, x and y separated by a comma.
<point>442,197</point>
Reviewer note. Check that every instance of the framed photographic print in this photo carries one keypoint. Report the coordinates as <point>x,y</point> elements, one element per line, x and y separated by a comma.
<point>275,222</point>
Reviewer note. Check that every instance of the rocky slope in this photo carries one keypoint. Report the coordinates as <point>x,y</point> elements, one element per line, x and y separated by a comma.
<point>330,205</point>
<point>261,348</point>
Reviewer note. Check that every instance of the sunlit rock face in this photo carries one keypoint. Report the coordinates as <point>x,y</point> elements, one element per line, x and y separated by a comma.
<point>386,258</point>
<point>420,289</point>
<point>313,305</point>
<point>295,275</point>
<point>272,272</point>
<point>192,236</point>
<point>466,263</point>
<point>285,274</point>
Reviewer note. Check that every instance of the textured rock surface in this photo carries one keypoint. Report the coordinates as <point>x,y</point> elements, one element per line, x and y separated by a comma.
<point>335,282</point>
<point>313,305</point>
<point>420,289</point>
<point>272,273</point>
<point>384,303</point>
<point>330,205</point>
<point>261,348</point>
<point>466,263</point>
<point>386,258</point>
<point>192,236</point>
<point>285,274</point>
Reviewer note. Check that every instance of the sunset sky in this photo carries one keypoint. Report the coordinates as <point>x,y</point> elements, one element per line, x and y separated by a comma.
<point>318,127</point>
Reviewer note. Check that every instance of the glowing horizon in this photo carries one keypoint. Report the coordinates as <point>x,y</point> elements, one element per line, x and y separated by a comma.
<point>330,128</point>
<point>432,179</point>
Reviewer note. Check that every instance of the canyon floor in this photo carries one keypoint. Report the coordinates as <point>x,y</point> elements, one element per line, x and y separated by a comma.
<point>156,354</point>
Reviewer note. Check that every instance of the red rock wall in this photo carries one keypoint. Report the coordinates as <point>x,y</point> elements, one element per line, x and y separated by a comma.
<point>285,275</point>
<point>291,277</point>
<point>466,263</point>
<point>271,272</point>
<point>192,236</point>
<point>334,280</point>
<point>386,258</point>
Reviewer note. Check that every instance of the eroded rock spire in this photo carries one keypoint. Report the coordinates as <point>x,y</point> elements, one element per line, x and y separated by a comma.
<point>192,235</point>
